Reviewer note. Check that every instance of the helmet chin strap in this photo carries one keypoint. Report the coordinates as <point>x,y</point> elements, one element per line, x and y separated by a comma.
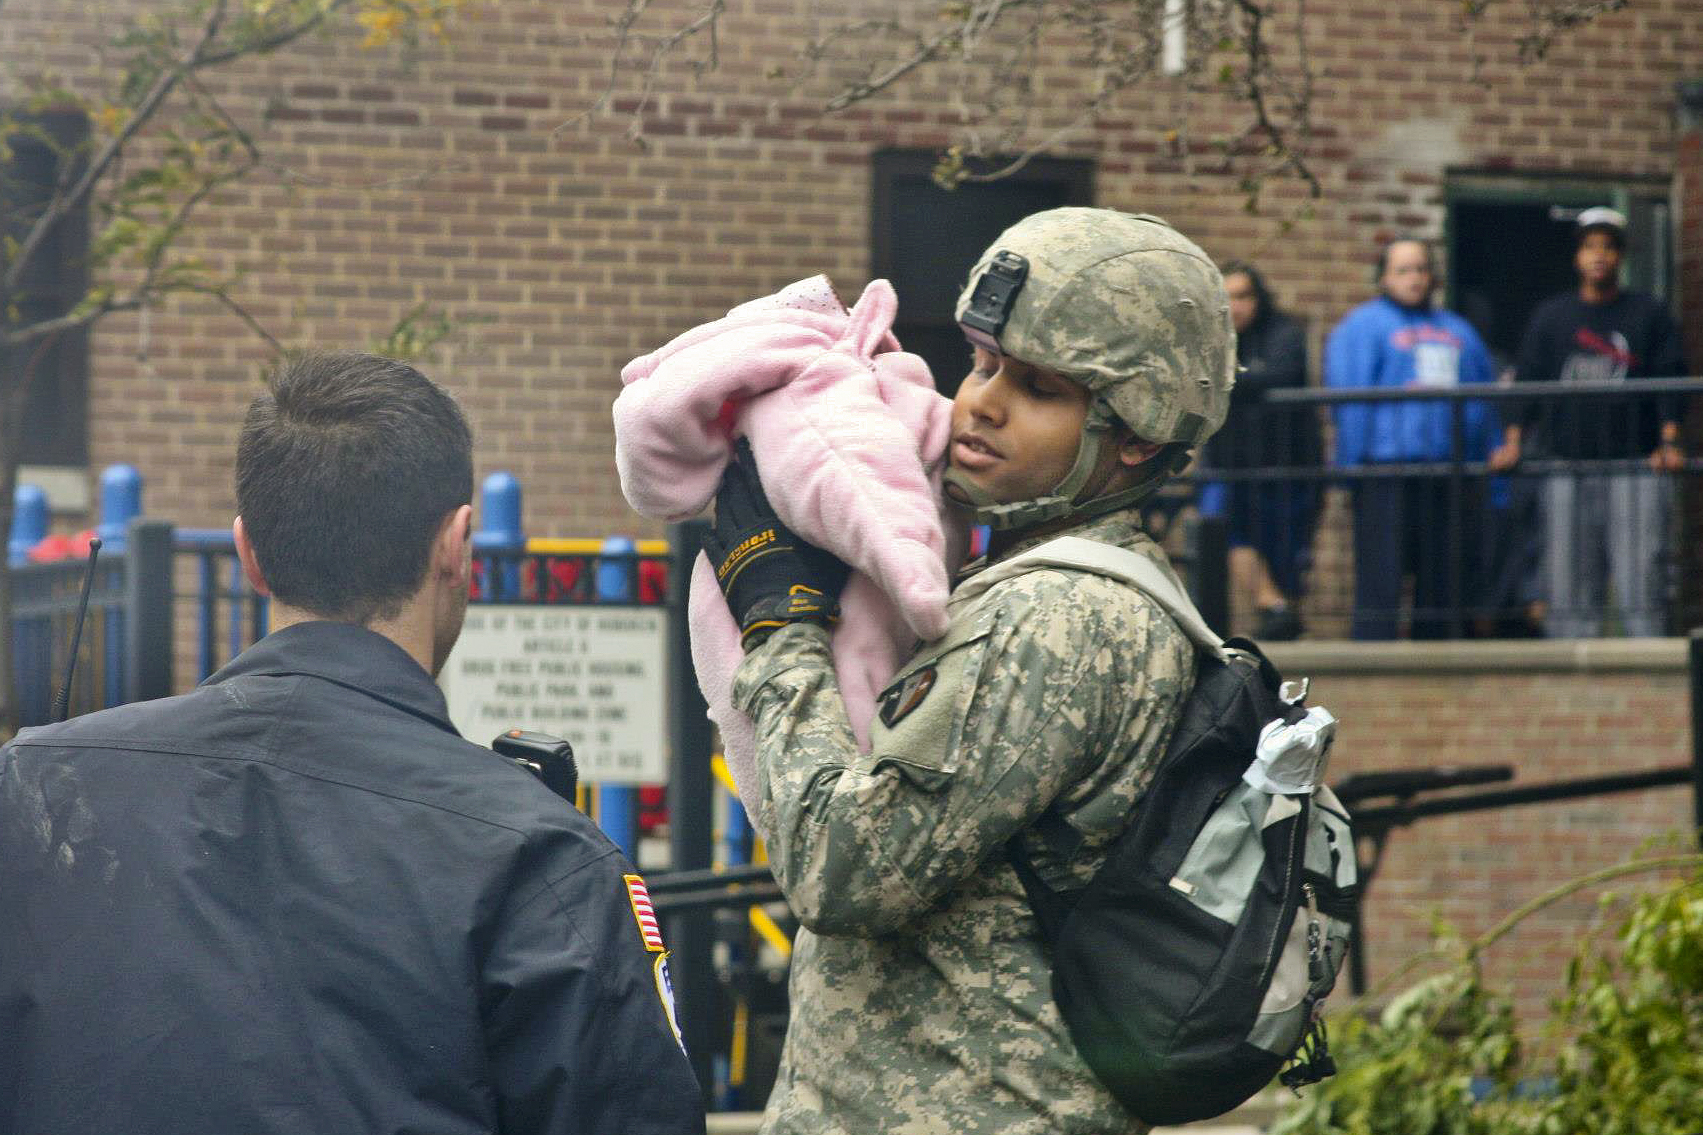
<point>1061,502</point>
<point>1155,471</point>
<point>1002,517</point>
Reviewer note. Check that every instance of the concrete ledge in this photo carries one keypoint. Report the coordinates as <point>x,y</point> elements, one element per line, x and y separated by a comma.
<point>1519,656</point>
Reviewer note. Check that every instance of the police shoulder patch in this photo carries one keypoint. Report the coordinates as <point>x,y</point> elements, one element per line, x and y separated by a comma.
<point>665,992</point>
<point>903,696</point>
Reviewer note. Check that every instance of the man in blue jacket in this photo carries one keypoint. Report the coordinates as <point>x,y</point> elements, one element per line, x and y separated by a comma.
<point>295,900</point>
<point>1403,524</point>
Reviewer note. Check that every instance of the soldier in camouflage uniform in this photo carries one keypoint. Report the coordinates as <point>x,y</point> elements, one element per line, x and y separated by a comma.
<point>921,996</point>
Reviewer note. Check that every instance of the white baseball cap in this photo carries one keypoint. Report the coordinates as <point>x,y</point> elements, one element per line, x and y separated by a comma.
<point>1602,215</point>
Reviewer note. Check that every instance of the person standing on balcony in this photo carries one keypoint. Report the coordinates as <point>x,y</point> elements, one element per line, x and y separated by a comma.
<point>1269,522</point>
<point>295,900</point>
<point>921,986</point>
<point>1602,527</point>
<point>1403,523</point>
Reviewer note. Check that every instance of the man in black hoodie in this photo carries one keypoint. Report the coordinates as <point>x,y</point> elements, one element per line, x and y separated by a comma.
<point>1605,524</point>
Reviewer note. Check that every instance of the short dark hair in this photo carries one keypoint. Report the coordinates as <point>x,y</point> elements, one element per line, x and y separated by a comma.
<point>1383,262</point>
<point>346,468</point>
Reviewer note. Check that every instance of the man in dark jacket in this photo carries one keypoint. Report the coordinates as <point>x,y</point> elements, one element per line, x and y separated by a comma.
<point>1602,523</point>
<point>295,900</point>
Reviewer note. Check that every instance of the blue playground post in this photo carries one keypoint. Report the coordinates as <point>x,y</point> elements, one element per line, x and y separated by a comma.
<point>618,804</point>
<point>29,523</point>
<point>121,502</point>
<point>500,531</point>
<point>736,836</point>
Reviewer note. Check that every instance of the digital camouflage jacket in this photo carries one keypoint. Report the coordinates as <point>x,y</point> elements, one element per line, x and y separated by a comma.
<point>921,992</point>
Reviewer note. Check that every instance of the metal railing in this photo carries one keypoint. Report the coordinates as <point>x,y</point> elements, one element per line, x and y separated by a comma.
<point>221,592</point>
<point>1393,796</point>
<point>1476,539</point>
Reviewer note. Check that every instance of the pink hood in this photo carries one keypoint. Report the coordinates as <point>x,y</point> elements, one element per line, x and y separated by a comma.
<point>850,439</point>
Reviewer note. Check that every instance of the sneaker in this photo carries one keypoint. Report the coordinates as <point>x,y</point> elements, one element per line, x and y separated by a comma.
<point>1278,623</point>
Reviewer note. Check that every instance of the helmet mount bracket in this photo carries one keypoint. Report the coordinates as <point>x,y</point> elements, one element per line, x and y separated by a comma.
<point>991,299</point>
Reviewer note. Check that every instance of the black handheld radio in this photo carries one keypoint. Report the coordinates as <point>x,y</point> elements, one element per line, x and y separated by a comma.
<point>62,703</point>
<point>550,759</point>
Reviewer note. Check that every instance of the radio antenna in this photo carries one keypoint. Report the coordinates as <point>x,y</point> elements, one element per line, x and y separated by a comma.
<point>62,704</point>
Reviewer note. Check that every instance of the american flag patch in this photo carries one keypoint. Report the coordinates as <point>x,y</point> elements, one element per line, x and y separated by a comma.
<point>642,910</point>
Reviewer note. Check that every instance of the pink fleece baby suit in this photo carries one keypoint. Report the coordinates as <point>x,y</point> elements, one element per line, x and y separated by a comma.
<point>850,439</point>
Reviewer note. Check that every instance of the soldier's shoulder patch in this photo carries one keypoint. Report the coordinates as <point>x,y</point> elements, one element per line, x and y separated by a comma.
<point>903,696</point>
<point>639,896</point>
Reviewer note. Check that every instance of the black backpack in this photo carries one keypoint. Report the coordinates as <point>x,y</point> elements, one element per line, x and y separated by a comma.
<point>1191,968</point>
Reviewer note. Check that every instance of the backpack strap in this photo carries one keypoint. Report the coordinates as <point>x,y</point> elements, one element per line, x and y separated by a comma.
<point>1136,570</point>
<point>1050,906</point>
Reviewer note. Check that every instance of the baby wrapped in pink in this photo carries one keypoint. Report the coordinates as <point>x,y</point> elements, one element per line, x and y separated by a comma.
<point>850,439</point>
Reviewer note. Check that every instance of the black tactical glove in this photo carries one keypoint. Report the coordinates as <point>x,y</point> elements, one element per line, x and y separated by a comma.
<point>769,575</point>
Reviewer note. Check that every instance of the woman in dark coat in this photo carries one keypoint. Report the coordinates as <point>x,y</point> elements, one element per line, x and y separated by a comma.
<point>1269,521</point>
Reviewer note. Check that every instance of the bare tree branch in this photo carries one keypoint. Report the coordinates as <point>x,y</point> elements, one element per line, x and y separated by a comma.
<point>197,58</point>
<point>154,263</point>
<point>927,51</point>
<point>705,22</point>
<point>63,203</point>
<point>237,309</point>
<point>43,329</point>
<point>284,35</point>
<point>1116,45</point>
<point>1258,85</point>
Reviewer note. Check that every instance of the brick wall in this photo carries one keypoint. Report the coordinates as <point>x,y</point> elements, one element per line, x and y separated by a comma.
<point>1549,712</point>
<point>437,174</point>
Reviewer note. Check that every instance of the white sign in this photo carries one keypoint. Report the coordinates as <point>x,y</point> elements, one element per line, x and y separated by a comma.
<point>594,676</point>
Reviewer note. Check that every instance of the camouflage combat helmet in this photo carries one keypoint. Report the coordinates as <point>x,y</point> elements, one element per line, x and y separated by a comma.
<point>1128,307</point>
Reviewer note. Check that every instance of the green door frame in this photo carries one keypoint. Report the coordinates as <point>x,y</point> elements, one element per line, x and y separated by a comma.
<point>1646,202</point>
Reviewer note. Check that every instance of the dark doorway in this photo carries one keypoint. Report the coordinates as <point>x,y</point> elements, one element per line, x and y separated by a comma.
<point>1506,259</point>
<point>46,154</point>
<point>925,240</point>
<point>1511,247</point>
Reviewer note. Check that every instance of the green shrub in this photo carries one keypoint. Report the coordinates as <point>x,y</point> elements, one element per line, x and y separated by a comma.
<point>1626,1040</point>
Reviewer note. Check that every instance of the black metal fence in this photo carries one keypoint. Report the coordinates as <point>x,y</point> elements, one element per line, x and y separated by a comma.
<point>1586,533</point>
<point>125,653</point>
